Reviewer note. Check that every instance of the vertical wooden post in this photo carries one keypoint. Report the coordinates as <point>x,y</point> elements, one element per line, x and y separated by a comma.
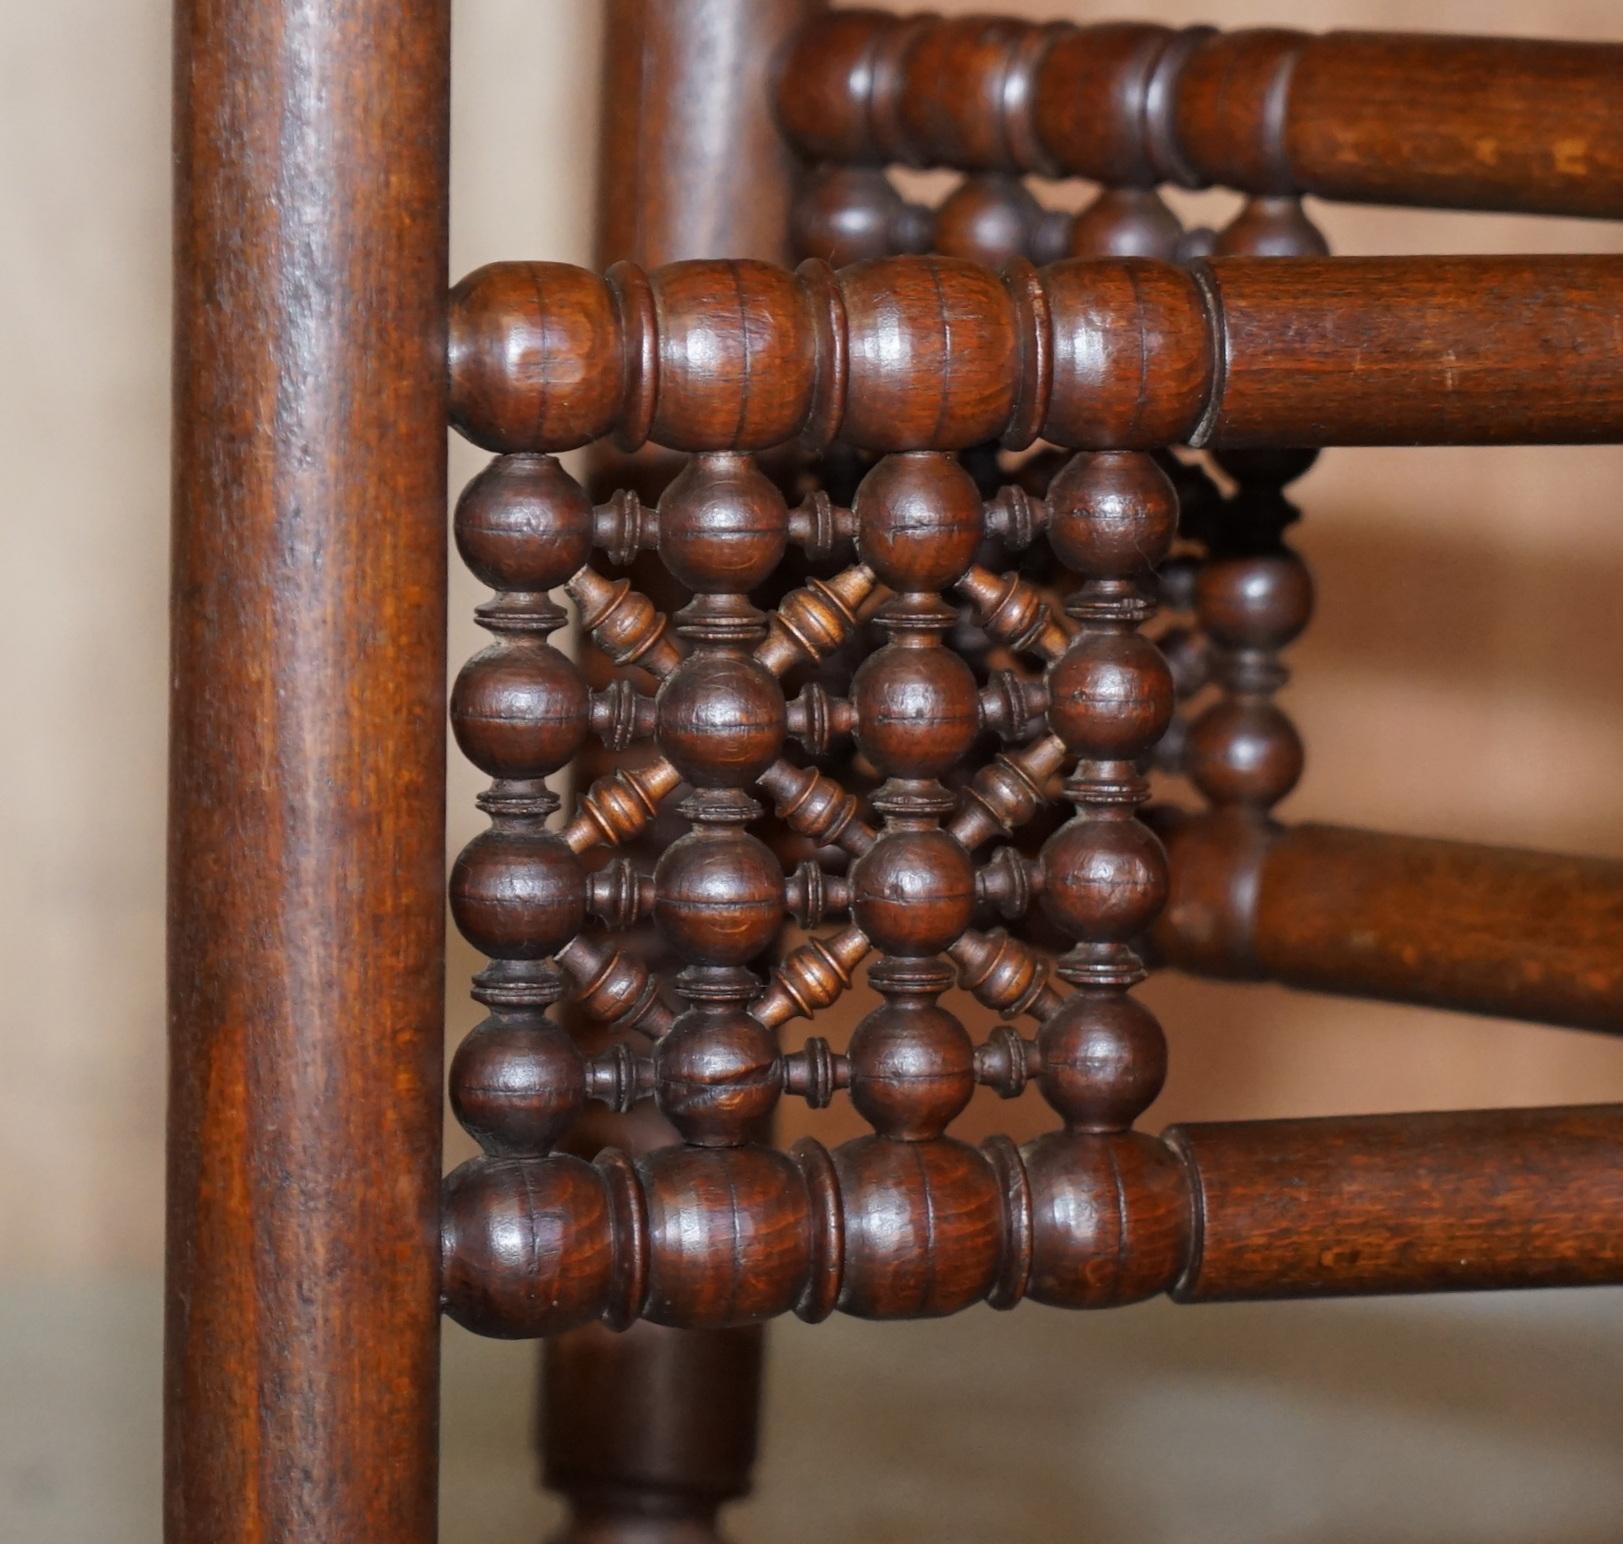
<point>306,855</point>
<point>648,1433</point>
<point>691,162</point>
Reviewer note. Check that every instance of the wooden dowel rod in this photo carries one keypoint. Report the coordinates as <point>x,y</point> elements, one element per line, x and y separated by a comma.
<point>918,353</point>
<point>1514,124</point>
<point>1492,930</point>
<point>307,755</point>
<point>1404,1203</point>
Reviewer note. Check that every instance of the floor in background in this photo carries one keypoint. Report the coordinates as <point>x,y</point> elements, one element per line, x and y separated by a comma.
<point>1483,1420</point>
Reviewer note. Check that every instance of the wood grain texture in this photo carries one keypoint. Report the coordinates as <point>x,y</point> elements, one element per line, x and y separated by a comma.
<point>907,1222</point>
<point>1479,929</point>
<point>690,161</point>
<point>651,1432</point>
<point>938,353</point>
<point>307,772</point>
<point>1402,1203</point>
<point>1513,124</point>
<point>896,1229</point>
<point>1458,123</point>
<point>1421,351</point>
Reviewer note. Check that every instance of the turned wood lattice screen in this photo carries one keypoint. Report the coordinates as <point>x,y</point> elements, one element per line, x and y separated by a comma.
<point>898,573</point>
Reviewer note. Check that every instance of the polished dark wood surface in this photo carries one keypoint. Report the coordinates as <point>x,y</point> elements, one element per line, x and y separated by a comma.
<point>1395,1203</point>
<point>306,848</point>
<point>1399,118</point>
<point>885,1229</point>
<point>650,1431</point>
<point>874,697</point>
<point>1526,935</point>
<point>686,124</point>
<point>936,353</point>
<point>723,1229</point>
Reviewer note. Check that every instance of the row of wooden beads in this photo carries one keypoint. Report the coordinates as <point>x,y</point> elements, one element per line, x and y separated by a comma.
<point>934,353</point>
<point>851,214</point>
<point>1388,118</point>
<point>993,95</point>
<point>881,1229</point>
<point>904,354</point>
<point>517,1084</point>
<point>915,710</point>
<point>1455,1200</point>
<point>523,525</point>
<point>1114,102</point>
<point>1249,596</point>
<point>521,711</point>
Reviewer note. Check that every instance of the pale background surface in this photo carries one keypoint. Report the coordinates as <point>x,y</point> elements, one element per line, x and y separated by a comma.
<point>1463,678</point>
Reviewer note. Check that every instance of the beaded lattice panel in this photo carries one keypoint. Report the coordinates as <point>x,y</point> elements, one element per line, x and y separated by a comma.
<point>916,870</point>
<point>910,878</point>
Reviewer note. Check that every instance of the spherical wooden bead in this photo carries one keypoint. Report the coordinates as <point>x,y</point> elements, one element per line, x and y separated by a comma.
<point>912,1070</point>
<point>919,520</point>
<point>972,123</point>
<point>1126,222</point>
<point>1104,878</point>
<point>729,1235</point>
<point>989,220</point>
<point>526,1245</point>
<point>518,894</point>
<point>723,525</point>
<point>1126,388</point>
<point>716,1075</point>
<point>933,319</point>
<point>923,1227</point>
<point>1225,110</point>
<point>535,357</point>
<point>524,524</point>
<point>1089,98</point>
<point>517,1086</point>
<point>1112,515</point>
<point>825,85</point>
<point>917,710</point>
<point>851,214</point>
<point>1259,602</point>
<point>1244,751</point>
<point>1271,227</point>
<point>720,719</point>
<point>1175,581</point>
<point>520,710</point>
<point>718,897</point>
<point>913,892</point>
<point>1110,696</point>
<point>1104,1059</point>
<point>1110,1219</point>
<point>737,355</point>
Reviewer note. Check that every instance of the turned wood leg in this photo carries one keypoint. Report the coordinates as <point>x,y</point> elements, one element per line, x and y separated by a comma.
<point>649,1432</point>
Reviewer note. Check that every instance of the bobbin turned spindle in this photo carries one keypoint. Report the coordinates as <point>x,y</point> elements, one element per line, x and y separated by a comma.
<point>853,711</point>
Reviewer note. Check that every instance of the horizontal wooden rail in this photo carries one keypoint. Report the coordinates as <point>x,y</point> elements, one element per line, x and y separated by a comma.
<point>919,353</point>
<point>889,1229</point>
<point>1496,930</point>
<point>1404,1203</point>
<point>1514,124</point>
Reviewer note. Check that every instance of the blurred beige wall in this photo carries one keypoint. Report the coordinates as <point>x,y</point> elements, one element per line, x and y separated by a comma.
<point>1464,675</point>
